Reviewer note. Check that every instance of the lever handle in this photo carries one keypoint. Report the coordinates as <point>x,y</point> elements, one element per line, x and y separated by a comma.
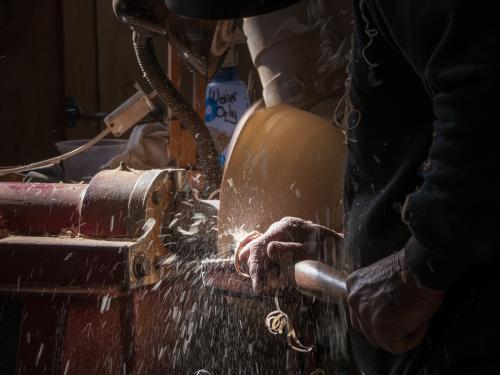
<point>320,280</point>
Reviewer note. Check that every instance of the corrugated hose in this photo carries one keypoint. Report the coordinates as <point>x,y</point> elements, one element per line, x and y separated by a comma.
<point>171,98</point>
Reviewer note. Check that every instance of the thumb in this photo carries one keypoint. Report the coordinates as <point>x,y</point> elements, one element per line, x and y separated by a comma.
<point>402,345</point>
<point>416,337</point>
<point>285,253</point>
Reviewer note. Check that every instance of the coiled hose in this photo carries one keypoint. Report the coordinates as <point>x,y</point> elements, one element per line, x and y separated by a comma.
<point>158,80</point>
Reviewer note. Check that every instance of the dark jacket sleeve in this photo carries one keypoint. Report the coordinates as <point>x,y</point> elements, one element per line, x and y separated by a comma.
<point>454,216</point>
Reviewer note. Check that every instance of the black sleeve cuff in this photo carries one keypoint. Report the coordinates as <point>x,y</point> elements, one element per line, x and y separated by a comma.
<point>428,269</point>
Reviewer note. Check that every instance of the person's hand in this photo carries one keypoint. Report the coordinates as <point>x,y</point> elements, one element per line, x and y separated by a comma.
<point>388,306</point>
<point>270,257</point>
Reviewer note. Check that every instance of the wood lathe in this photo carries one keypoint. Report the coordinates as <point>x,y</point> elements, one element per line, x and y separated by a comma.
<point>77,251</point>
<point>96,278</point>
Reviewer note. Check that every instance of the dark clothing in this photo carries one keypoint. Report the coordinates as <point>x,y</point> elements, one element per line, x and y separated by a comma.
<point>423,170</point>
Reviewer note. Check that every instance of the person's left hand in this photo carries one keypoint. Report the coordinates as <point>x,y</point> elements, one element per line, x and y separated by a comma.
<point>269,257</point>
<point>389,307</point>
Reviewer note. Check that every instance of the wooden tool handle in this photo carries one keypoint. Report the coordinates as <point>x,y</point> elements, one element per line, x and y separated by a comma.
<point>320,280</point>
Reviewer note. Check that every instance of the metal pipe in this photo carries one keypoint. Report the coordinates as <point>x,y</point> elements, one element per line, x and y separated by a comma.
<point>115,204</point>
<point>39,208</point>
<point>320,280</point>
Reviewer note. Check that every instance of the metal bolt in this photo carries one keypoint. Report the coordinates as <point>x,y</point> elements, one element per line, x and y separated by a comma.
<point>156,197</point>
<point>142,266</point>
<point>124,167</point>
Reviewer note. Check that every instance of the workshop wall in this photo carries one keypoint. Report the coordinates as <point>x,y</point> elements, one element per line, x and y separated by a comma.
<point>80,57</point>
<point>52,50</point>
<point>31,83</point>
<point>100,65</point>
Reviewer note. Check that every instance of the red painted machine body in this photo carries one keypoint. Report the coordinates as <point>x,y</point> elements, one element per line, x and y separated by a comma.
<point>87,286</point>
<point>78,267</point>
<point>39,209</point>
<point>104,208</point>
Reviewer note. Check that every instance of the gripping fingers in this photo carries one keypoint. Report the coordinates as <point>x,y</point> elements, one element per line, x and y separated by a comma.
<point>242,253</point>
<point>242,248</point>
<point>257,265</point>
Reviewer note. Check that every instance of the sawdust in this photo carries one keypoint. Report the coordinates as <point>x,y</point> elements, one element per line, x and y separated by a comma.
<point>72,232</point>
<point>3,231</point>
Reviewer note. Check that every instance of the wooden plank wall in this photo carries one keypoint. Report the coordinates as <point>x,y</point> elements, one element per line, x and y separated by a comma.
<point>101,68</point>
<point>51,50</point>
<point>56,49</point>
<point>80,57</point>
<point>31,85</point>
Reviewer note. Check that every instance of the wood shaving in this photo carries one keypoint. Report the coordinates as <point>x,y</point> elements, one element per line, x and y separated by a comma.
<point>278,323</point>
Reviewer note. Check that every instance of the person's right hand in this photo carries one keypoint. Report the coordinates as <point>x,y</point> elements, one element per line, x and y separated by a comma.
<point>389,306</point>
<point>272,255</point>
